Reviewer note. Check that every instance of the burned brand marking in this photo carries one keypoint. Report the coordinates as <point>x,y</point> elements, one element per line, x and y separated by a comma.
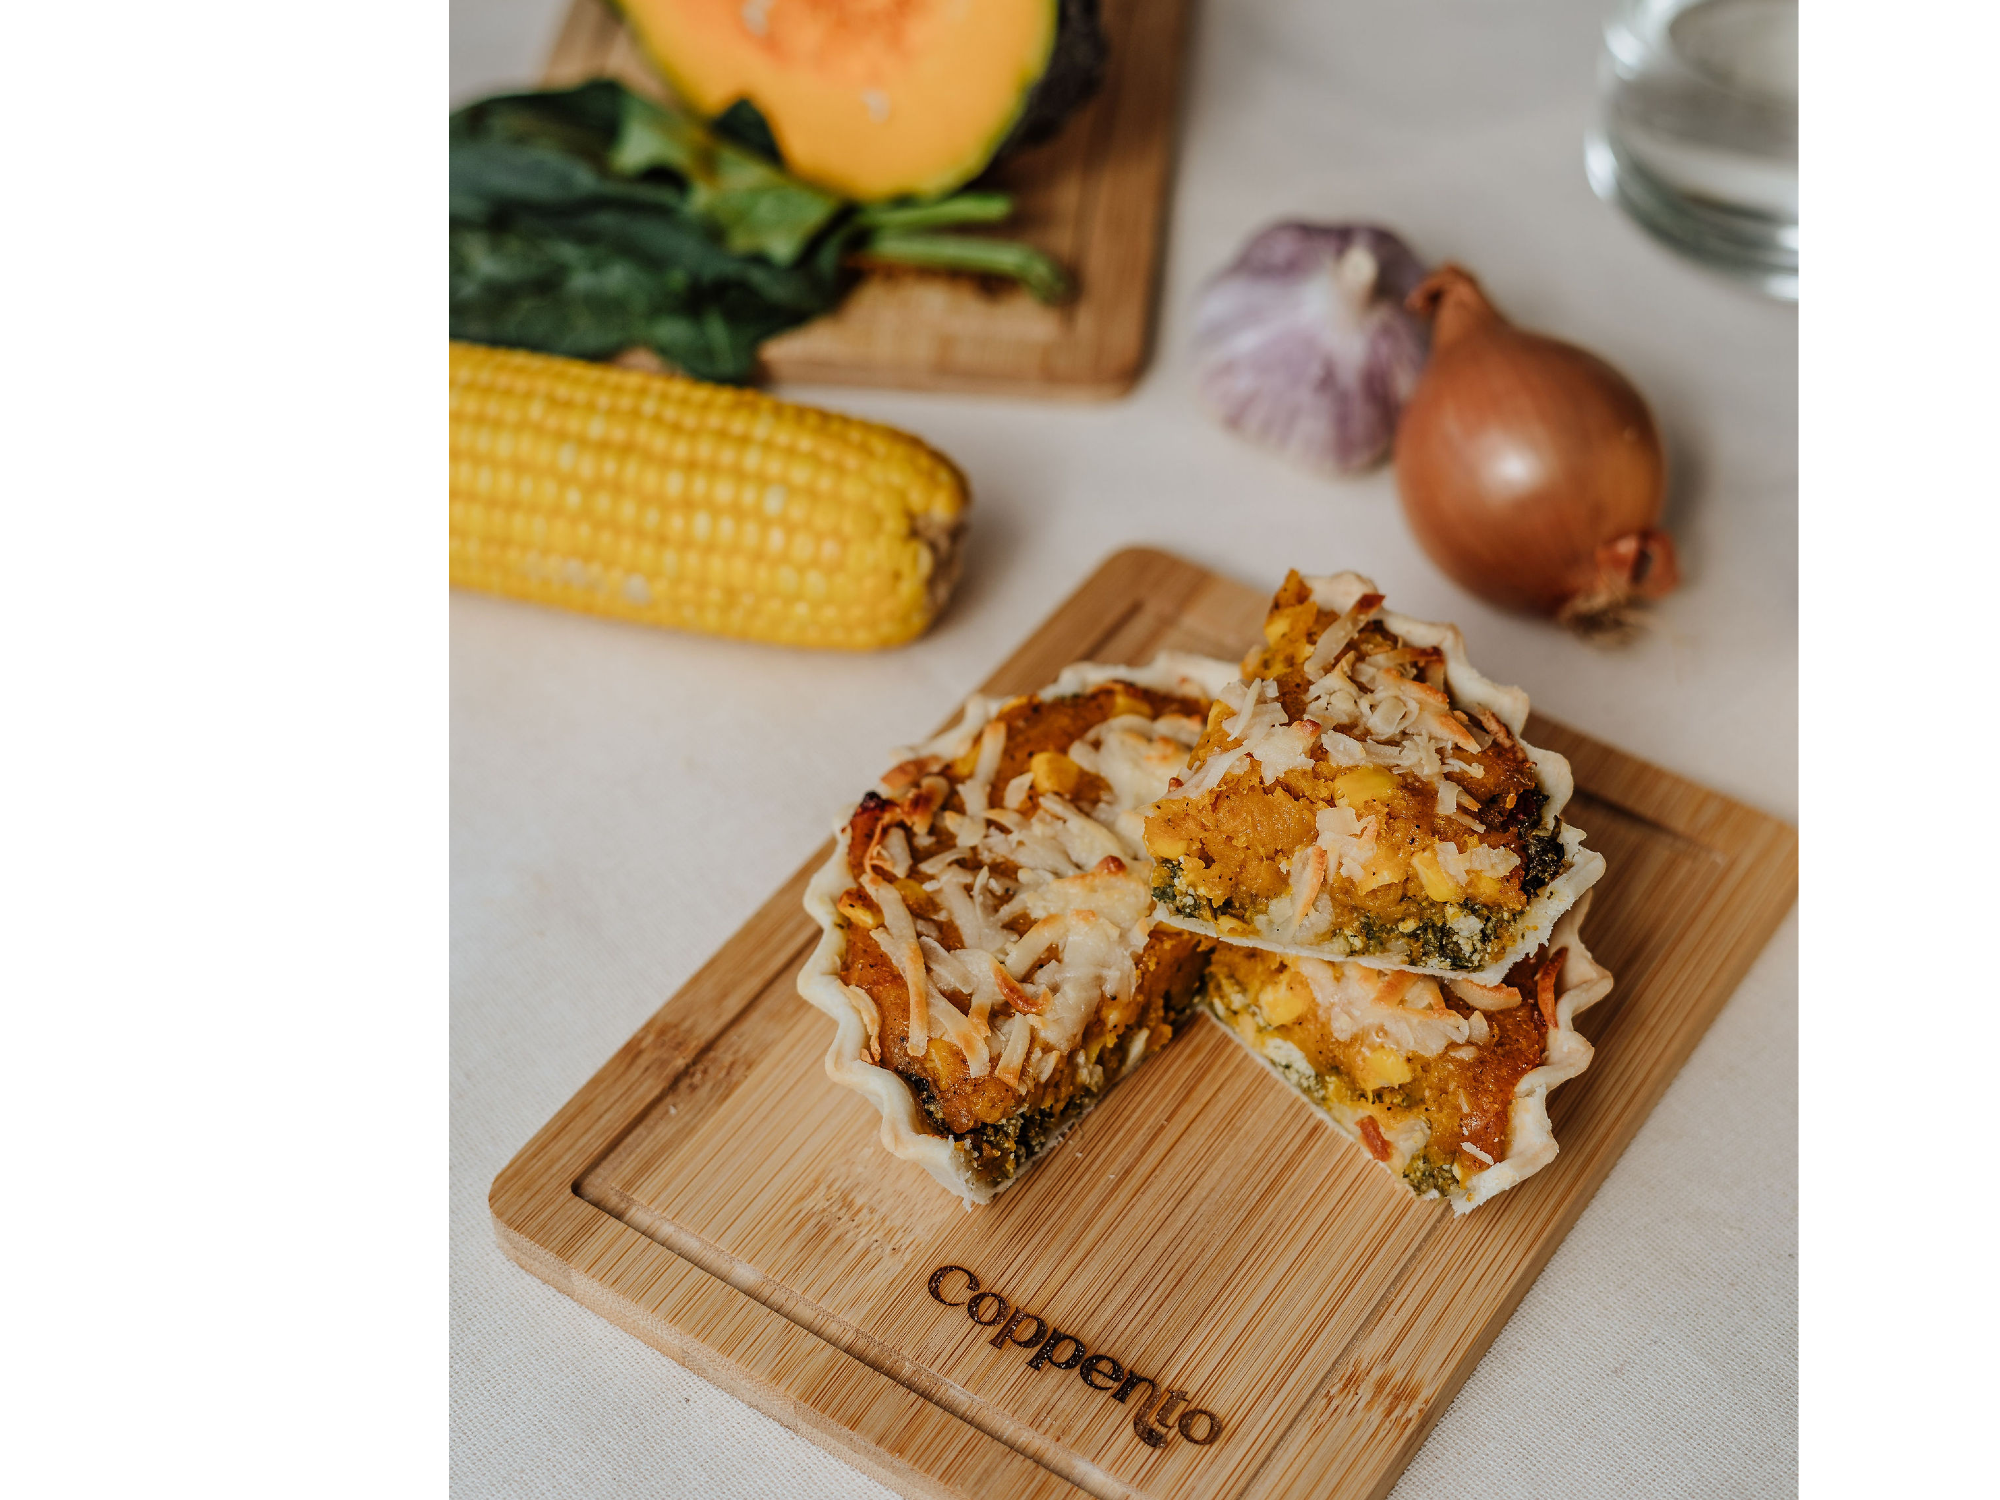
<point>1156,1417</point>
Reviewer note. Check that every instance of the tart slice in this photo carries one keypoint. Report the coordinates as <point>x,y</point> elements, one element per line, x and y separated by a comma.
<point>1361,793</point>
<point>1445,1083</point>
<point>988,946</point>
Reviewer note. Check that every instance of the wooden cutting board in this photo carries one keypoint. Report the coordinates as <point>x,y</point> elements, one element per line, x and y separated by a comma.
<point>1094,198</point>
<point>712,1192</point>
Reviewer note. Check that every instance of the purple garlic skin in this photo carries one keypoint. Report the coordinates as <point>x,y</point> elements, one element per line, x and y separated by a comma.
<point>1303,343</point>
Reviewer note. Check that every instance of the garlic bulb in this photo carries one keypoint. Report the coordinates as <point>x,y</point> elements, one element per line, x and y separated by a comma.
<point>1303,342</point>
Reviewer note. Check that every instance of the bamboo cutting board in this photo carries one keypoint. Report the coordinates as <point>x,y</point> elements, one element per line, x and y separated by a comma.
<point>712,1192</point>
<point>1094,198</point>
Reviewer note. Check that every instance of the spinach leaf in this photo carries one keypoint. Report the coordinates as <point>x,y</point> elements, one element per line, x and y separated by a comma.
<point>587,220</point>
<point>744,123</point>
<point>557,246</point>
<point>758,209</point>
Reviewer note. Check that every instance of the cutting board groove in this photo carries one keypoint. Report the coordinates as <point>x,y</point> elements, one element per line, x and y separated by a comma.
<point>1095,198</point>
<point>711,1191</point>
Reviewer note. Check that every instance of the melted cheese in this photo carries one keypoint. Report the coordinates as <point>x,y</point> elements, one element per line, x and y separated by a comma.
<point>1396,1007</point>
<point>1349,841</point>
<point>1487,860</point>
<point>978,787</point>
<point>898,939</point>
<point>1085,881</point>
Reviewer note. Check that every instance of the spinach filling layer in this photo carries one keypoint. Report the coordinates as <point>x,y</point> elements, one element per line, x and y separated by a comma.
<point>998,1152</point>
<point>1432,940</point>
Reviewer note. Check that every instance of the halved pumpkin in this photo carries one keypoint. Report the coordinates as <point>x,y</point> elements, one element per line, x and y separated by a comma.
<point>881,98</point>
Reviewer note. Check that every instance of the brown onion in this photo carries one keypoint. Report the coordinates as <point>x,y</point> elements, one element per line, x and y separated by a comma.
<point>1530,470</point>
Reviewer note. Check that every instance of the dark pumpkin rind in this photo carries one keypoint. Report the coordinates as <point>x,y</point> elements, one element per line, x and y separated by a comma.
<point>1071,80</point>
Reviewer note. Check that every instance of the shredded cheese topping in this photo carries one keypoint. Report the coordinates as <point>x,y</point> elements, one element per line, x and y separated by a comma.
<point>1402,1009</point>
<point>979,785</point>
<point>1084,878</point>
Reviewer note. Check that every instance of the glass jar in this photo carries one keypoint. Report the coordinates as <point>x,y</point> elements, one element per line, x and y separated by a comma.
<point>1697,135</point>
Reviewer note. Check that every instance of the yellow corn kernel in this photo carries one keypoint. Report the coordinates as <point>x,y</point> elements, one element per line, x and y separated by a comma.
<point>1123,703</point>
<point>1437,884</point>
<point>1163,845</point>
<point>1386,868</point>
<point>857,911</point>
<point>1381,1068</point>
<point>1363,784</point>
<point>1293,620</point>
<point>1054,772</point>
<point>919,900</point>
<point>1285,1002</point>
<point>669,502</point>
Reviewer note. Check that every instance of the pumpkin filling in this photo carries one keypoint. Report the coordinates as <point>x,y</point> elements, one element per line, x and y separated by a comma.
<point>1422,1073</point>
<point>1008,892</point>
<point>1340,798</point>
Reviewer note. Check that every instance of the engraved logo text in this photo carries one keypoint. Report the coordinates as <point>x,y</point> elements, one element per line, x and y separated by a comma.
<point>1156,1414</point>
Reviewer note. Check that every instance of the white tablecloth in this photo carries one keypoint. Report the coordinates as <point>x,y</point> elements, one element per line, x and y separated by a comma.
<point>591,761</point>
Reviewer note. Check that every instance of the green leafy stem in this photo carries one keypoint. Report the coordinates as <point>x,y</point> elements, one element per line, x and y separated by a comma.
<point>963,252</point>
<point>761,209</point>
<point>587,220</point>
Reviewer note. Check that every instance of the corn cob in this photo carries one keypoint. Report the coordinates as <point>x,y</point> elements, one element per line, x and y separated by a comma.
<point>703,507</point>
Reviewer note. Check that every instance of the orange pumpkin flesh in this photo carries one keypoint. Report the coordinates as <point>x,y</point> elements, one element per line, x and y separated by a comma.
<point>873,99</point>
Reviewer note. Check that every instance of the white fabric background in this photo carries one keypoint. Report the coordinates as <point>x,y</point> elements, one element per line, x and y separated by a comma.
<point>622,798</point>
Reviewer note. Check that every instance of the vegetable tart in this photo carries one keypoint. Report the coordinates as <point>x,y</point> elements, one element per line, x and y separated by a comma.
<point>1343,850</point>
<point>1362,793</point>
<point>988,943</point>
